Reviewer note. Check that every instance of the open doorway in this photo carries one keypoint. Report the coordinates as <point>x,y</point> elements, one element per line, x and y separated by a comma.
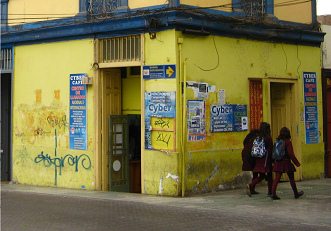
<point>5,119</point>
<point>121,96</point>
<point>326,81</point>
<point>284,114</point>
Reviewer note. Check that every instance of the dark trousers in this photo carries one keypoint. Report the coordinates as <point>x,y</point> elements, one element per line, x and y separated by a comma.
<point>258,177</point>
<point>290,175</point>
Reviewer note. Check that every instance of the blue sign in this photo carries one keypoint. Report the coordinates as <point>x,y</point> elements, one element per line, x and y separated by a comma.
<point>310,106</point>
<point>159,72</point>
<point>77,122</point>
<point>228,118</point>
<point>158,104</point>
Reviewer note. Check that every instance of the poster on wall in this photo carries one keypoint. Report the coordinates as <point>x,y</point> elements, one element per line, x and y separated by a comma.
<point>160,113</point>
<point>196,124</point>
<point>310,107</point>
<point>228,118</point>
<point>77,114</point>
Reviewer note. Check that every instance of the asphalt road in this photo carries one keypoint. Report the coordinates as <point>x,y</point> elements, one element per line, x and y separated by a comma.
<point>232,210</point>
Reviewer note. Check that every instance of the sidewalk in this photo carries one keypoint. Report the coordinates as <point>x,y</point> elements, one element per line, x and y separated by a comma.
<point>315,191</point>
<point>231,209</point>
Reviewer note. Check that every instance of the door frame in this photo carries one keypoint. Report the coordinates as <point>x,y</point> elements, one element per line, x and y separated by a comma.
<point>8,75</point>
<point>326,76</point>
<point>296,116</point>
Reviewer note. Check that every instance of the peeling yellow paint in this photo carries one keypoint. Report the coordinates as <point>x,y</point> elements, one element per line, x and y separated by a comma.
<point>41,154</point>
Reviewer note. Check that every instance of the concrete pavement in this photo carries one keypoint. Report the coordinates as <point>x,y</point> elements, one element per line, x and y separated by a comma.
<point>227,210</point>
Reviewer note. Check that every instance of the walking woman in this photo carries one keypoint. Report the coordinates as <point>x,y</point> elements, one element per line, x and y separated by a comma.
<point>263,165</point>
<point>286,165</point>
<point>248,162</point>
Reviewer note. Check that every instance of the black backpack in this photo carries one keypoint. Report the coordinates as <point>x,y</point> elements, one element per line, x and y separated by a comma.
<point>278,152</point>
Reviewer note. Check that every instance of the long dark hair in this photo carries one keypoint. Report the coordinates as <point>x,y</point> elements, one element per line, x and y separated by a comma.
<point>284,133</point>
<point>265,129</point>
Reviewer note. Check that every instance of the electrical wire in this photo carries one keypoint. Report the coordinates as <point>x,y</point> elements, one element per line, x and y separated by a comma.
<point>218,60</point>
<point>183,9</point>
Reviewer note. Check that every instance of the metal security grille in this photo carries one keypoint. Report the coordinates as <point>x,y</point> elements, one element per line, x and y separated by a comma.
<point>6,60</point>
<point>253,8</point>
<point>103,8</point>
<point>120,49</point>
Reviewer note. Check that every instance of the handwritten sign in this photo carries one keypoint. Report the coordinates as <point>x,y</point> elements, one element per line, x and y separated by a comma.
<point>163,140</point>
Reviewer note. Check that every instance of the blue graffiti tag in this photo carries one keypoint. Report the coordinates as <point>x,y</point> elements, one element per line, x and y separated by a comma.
<point>59,162</point>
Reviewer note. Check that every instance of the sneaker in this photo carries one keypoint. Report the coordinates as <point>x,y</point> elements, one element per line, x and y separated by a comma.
<point>248,190</point>
<point>298,195</point>
<point>275,197</point>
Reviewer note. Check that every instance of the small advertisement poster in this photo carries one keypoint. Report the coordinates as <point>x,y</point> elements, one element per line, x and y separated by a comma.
<point>310,107</point>
<point>228,118</point>
<point>159,129</point>
<point>77,114</point>
<point>196,123</point>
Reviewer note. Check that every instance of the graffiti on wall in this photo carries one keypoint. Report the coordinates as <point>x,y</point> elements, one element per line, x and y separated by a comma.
<point>163,133</point>
<point>45,127</point>
<point>59,162</point>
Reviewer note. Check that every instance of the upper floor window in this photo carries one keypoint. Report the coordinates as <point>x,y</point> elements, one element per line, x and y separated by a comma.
<point>254,9</point>
<point>101,8</point>
<point>4,12</point>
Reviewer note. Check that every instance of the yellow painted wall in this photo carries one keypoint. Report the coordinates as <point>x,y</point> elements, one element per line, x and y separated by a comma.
<point>157,165</point>
<point>225,5</point>
<point>131,98</point>
<point>228,63</point>
<point>137,3</point>
<point>216,162</point>
<point>24,11</point>
<point>41,113</point>
<point>294,12</point>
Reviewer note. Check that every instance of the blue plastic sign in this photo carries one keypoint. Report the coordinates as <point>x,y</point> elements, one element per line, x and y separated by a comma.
<point>228,118</point>
<point>221,118</point>
<point>310,107</point>
<point>158,104</point>
<point>77,122</point>
<point>159,72</point>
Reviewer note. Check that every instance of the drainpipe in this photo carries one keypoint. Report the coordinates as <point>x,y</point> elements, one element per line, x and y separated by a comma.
<point>182,77</point>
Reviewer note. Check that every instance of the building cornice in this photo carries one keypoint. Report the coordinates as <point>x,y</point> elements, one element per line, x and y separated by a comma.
<point>199,22</point>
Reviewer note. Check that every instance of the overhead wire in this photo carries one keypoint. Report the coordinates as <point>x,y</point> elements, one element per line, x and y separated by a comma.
<point>180,8</point>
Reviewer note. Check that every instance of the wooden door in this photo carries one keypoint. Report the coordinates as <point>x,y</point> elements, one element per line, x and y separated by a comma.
<point>283,114</point>
<point>111,105</point>
<point>280,107</point>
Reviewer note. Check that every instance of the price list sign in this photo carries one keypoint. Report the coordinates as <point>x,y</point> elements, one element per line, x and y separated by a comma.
<point>77,122</point>
<point>310,107</point>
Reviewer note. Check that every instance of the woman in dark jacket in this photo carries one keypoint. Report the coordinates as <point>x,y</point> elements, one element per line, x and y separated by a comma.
<point>246,156</point>
<point>247,159</point>
<point>286,165</point>
<point>263,166</point>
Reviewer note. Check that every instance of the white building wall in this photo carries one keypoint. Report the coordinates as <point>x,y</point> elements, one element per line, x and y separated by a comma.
<point>326,47</point>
